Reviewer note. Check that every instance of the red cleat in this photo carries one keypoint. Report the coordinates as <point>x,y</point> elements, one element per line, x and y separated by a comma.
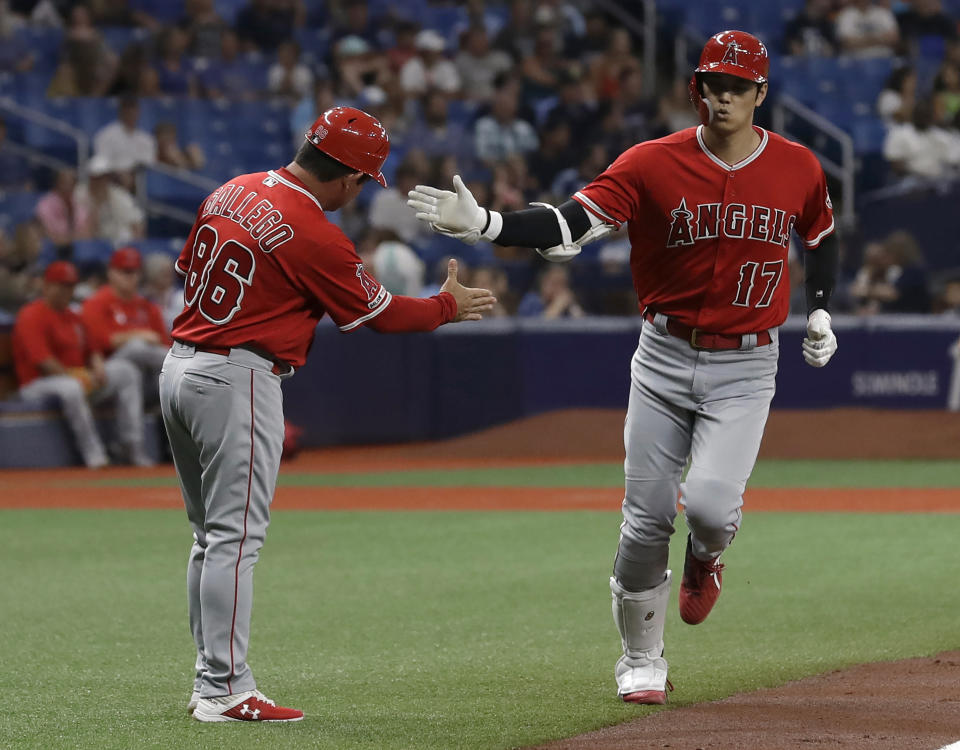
<point>249,706</point>
<point>700,587</point>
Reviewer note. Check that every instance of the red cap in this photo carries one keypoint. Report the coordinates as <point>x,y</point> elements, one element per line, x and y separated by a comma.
<point>736,53</point>
<point>61,272</point>
<point>126,259</point>
<point>353,138</point>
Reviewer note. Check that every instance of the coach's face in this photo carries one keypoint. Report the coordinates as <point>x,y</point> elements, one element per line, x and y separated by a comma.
<point>733,100</point>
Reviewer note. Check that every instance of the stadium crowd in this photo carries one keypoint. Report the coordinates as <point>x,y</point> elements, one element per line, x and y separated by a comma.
<point>527,99</point>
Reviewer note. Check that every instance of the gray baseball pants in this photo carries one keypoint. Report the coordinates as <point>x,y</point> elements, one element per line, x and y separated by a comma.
<point>706,407</point>
<point>224,420</point>
<point>124,387</point>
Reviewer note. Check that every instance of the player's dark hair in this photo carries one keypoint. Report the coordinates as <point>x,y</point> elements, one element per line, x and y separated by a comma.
<point>318,164</point>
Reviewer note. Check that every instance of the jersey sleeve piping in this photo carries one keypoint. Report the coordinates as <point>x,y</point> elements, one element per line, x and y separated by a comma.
<point>369,316</point>
<point>180,271</point>
<point>816,240</point>
<point>595,209</point>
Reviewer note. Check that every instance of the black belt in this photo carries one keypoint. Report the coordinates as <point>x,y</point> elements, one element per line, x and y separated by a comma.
<point>279,366</point>
<point>710,341</point>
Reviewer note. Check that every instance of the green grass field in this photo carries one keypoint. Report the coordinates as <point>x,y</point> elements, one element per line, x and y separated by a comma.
<point>437,630</point>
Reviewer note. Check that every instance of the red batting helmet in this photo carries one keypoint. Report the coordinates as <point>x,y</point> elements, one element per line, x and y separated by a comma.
<point>353,138</point>
<point>735,53</point>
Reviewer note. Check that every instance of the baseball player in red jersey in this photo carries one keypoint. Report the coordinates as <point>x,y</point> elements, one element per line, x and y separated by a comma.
<point>55,356</point>
<point>122,322</point>
<point>710,211</point>
<point>262,265</point>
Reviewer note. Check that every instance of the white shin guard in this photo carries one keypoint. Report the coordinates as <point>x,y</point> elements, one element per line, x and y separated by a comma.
<point>640,618</point>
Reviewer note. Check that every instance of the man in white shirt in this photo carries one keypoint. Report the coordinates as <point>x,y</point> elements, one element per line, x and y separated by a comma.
<point>867,29</point>
<point>429,69</point>
<point>920,149</point>
<point>122,144</point>
<point>114,213</point>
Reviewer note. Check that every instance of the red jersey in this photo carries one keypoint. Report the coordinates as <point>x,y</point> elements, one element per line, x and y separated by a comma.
<point>40,332</point>
<point>709,240</point>
<point>263,264</point>
<point>104,314</point>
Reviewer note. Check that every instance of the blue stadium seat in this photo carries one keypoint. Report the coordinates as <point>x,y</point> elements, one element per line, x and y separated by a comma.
<point>229,9</point>
<point>118,38</point>
<point>45,43</point>
<point>170,246</point>
<point>166,11</point>
<point>91,252</point>
<point>16,207</point>
<point>868,135</point>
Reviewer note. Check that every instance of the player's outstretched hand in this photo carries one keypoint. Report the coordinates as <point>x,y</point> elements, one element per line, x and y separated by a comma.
<point>453,214</point>
<point>471,303</point>
<point>820,343</point>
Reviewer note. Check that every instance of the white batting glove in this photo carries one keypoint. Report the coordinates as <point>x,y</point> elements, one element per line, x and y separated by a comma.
<point>820,343</point>
<point>453,214</point>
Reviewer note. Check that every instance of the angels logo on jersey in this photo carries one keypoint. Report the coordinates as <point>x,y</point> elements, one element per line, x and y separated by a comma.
<point>375,292</point>
<point>708,221</point>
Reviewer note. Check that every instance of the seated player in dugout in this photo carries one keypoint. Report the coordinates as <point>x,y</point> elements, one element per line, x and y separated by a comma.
<point>710,211</point>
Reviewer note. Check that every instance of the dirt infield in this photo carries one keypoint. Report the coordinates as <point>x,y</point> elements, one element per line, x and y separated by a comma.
<point>904,705</point>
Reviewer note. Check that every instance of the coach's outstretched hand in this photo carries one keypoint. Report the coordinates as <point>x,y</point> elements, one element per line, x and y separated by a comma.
<point>453,214</point>
<point>820,343</point>
<point>470,302</point>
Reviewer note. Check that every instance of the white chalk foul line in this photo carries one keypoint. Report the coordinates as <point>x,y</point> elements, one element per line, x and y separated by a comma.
<point>954,746</point>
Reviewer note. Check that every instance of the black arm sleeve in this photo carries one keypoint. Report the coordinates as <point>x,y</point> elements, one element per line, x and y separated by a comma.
<point>820,271</point>
<point>538,227</point>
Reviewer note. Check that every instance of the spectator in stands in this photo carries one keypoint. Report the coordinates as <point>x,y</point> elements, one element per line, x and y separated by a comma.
<point>947,301</point>
<point>170,152</point>
<point>577,104</point>
<point>132,71</point>
<point>896,101</point>
<point>867,28</point>
<point>14,169</point>
<point>64,218</point>
<point>288,78</point>
<point>203,27</point>
<point>543,68</point>
<point>593,161</point>
<point>674,112</point>
<point>311,107</point>
<point>946,95</point>
<point>478,65</point>
<point>920,149</point>
<point>395,263</point>
<point>508,186</point>
<point>553,296</point>
<point>437,135</point>
<point>174,74</point>
<point>162,288</point>
<point>123,144</point>
<point>353,19</point>
<point>502,133</point>
<point>429,69</point>
<point>811,32</point>
<point>925,18</point>
<point>16,284</point>
<point>226,76</point>
<point>53,358</point>
<point>389,209</point>
<point>114,214</point>
<point>595,39</point>
<point>358,65</point>
<point>607,70</point>
<point>516,38</point>
<point>892,277</point>
<point>87,65</point>
<point>404,44</point>
<point>264,24</point>
<point>552,156</point>
<point>124,324</point>
<point>498,284</point>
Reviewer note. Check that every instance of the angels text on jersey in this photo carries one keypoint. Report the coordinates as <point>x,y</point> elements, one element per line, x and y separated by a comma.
<point>710,221</point>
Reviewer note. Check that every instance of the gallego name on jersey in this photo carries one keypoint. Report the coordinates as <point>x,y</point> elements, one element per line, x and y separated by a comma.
<point>259,218</point>
<point>735,220</point>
